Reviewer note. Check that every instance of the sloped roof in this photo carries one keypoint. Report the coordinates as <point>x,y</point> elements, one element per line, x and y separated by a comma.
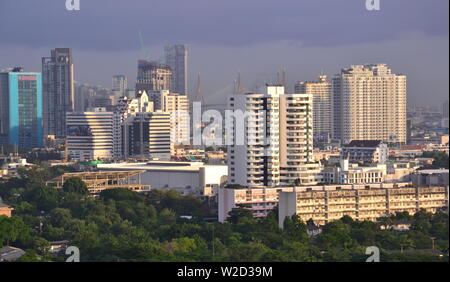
<point>364,143</point>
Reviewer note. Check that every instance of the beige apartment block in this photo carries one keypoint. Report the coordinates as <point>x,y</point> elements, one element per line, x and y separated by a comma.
<point>322,110</point>
<point>360,203</point>
<point>369,103</point>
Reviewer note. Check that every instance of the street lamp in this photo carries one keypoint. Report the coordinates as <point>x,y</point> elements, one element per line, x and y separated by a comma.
<point>432,242</point>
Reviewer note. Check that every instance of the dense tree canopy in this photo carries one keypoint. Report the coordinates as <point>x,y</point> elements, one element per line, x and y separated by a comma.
<point>121,225</point>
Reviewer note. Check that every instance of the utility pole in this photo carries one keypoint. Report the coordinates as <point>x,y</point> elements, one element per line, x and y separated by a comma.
<point>213,249</point>
<point>432,242</point>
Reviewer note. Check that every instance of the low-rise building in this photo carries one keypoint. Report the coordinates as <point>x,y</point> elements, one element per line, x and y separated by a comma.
<point>260,201</point>
<point>430,177</point>
<point>400,171</point>
<point>348,173</point>
<point>9,254</point>
<point>330,156</point>
<point>359,202</point>
<point>98,181</point>
<point>330,202</point>
<point>5,209</point>
<point>365,151</point>
<point>187,177</point>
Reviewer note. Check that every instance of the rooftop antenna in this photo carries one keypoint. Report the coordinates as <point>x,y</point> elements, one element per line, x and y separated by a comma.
<point>283,78</point>
<point>239,84</point>
<point>198,90</point>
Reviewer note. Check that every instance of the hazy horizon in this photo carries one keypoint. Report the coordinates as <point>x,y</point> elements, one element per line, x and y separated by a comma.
<point>226,37</point>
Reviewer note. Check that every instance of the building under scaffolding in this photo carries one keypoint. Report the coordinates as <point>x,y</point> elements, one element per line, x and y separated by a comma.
<point>99,181</point>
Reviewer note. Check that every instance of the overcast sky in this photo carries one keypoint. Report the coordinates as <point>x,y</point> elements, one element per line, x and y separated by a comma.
<point>254,37</point>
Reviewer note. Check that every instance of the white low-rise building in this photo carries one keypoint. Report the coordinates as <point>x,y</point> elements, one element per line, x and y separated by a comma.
<point>186,177</point>
<point>348,173</point>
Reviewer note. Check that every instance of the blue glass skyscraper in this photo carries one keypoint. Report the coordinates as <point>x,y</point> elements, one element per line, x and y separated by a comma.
<point>21,109</point>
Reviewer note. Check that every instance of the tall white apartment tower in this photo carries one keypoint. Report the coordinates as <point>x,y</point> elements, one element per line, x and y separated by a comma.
<point>177,59</point>
<point>277,139</point>
<point>369,103</point>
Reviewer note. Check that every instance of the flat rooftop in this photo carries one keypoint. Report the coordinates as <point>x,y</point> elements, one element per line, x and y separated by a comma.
<point>432,171</point>
<point>159,166</point>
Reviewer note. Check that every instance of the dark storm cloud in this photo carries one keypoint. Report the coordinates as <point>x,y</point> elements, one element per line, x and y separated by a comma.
<point>114,24</point>
<point>255,37</point>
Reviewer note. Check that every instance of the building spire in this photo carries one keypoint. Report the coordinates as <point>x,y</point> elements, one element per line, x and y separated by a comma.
<point>198,90</point>
<point>239,89</point>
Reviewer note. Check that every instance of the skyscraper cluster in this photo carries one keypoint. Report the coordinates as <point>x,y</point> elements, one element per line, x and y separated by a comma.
<point>362,102</point>
<point>91,120</point>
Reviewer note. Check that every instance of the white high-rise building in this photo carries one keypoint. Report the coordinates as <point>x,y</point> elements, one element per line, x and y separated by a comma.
<point>369,103</point>
<point>147,135</point>
<point>93,135</point>
<point>177,105</point>
<point>278,142</point>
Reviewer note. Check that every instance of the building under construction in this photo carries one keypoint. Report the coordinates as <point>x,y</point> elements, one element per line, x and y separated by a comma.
<point>99,181</point>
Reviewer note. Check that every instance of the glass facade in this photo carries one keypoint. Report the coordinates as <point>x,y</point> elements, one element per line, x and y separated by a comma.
<point>25,110</point>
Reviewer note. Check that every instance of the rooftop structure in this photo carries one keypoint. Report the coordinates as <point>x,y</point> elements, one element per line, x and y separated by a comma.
<point>188,177</point>
<point>99,181</point>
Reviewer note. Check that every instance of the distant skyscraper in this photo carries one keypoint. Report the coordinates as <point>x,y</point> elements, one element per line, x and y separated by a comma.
<point>21,109</point>
<point>321,92</point>
<point>369,104</point>
<point>445,115</point>
<point>153,76</point>
<point>58,90</point>
<point>119,86</point>
<point>177,60</point>
<point>445,109</point>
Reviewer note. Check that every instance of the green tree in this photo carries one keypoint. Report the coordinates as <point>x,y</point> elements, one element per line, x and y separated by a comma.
<point>75,185</point>
<point>295,228</point>
<point>44,197</point>
<point>236,213</point>
<point>167,217</point>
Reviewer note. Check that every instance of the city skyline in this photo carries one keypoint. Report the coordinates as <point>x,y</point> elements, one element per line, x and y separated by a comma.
<point>304,50</point>
<point>224,131</point>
